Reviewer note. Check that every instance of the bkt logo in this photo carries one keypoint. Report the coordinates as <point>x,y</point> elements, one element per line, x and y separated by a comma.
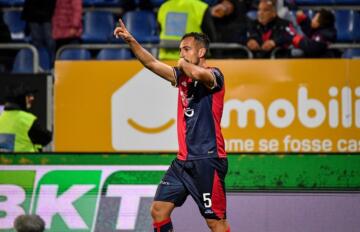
<point>74,198</point>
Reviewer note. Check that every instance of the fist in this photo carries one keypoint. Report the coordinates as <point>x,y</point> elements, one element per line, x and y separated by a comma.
<point>218,11</point>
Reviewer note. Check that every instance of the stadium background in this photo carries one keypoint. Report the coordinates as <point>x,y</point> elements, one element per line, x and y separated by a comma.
<point>270,189</point>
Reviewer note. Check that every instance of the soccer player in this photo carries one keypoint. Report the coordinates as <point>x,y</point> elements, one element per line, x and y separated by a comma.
<point>201,164</point>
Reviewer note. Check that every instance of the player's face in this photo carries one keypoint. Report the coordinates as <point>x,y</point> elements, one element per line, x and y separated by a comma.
<point>189,50</point>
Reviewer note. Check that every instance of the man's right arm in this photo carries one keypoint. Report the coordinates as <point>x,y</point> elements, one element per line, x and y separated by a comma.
<point>163,70</point>
<point>304,22</point>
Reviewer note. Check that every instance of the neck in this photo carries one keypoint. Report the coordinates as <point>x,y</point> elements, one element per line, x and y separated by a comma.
<point>202,63</point>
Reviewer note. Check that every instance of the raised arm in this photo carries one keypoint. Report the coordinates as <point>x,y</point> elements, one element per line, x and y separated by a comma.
<point>163,70</point>
<point>197,73</point>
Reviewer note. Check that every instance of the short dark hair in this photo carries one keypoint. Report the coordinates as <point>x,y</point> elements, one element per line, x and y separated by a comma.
<point>16,93</point>
<point>29,223</point>
<point>326,18</point>
<point>199,37</point>
<point>273,3</point>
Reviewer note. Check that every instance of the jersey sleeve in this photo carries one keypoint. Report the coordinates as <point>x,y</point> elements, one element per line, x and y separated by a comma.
<point>219,80</point>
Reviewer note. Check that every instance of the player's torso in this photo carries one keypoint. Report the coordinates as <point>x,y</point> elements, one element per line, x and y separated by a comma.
<point>197,124</point>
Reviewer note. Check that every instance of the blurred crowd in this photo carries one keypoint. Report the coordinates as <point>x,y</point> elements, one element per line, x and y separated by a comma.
<point>273,27</point>
<point>267,28</point>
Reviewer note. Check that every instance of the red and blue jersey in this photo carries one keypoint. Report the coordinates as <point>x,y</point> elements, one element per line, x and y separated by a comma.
<point>199,116</point>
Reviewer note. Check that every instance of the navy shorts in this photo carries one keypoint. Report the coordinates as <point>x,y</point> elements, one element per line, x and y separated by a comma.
<point>203,179</point>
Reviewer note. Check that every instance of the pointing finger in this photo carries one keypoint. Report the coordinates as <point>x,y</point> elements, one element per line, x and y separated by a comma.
<point>121,23</point>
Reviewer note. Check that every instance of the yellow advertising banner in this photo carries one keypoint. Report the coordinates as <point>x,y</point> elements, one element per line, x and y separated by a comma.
<point>270,106</point>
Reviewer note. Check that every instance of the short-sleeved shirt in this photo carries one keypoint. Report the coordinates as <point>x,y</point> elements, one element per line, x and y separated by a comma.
<point>199,116</point>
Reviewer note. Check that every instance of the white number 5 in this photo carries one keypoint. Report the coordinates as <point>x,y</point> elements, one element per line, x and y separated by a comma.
<point>207,200</point>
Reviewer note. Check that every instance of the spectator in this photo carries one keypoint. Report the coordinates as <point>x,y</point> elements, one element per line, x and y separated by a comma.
<point>280,5</point>
<point>177,17</point>
<point>21,128</point>
<point>38,14</point>
<point>268,31</point>
<point>318,34</point>
<point>6,55</point>
<point>231,25</point>
<point>66,22</point>
<point>29,223</point>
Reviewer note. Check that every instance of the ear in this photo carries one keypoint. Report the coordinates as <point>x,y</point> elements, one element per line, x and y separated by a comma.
<point>202,52</point>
